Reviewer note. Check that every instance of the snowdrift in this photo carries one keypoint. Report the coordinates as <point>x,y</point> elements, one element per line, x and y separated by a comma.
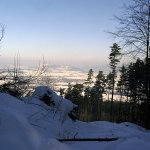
<point>64,106</point>
<point>35,124</point>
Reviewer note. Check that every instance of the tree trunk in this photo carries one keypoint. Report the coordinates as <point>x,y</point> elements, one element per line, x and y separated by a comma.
<point>112,101</point>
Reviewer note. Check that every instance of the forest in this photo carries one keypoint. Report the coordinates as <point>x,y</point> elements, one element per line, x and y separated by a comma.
<point>114,97</point>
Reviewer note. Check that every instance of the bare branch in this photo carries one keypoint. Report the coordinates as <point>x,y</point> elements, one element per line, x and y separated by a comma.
<point>1,32</point>
<point>134,27</point>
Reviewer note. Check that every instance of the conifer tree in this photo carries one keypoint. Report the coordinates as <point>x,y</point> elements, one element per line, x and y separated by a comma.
<point>108,84</point>
<point>89,79</point>
<point>114,57</point>
<point>137,89</point>
<point>68,93</point>
<point>98,91</point>
<point>88,84</point>
<point>121,87</point>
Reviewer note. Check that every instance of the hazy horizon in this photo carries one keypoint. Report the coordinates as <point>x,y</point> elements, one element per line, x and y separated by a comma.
<point>33,63</point>
<point>63,31</point>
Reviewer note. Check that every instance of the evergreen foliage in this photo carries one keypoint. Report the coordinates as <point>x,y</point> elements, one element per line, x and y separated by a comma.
<point>114,57</point>
<point>130,99</point>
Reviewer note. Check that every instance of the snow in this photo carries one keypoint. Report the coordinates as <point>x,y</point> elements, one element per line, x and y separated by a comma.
<point>29,124</point>
<point>64,106</point>
<point>16,129</point>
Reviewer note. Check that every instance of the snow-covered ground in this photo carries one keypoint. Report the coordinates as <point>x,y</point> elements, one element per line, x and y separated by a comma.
<point>29,124</point>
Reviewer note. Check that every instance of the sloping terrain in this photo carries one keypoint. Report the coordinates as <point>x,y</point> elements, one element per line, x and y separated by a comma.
<point>35,124</point>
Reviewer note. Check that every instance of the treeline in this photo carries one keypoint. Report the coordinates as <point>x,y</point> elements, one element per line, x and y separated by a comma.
<point>126,101</point>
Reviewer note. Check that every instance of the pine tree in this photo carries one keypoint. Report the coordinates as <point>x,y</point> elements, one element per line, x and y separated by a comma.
<point>89,79</point>
<point>114,57</point>
<point>68,93</point>
<point>88,84</point>
<point>74,93</point>
<point>108,84</point>
<point>98,91</point>
<point>121,87</point>
<point>137,89</point>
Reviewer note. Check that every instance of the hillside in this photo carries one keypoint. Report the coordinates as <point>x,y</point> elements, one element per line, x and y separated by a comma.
<point>37,122</point>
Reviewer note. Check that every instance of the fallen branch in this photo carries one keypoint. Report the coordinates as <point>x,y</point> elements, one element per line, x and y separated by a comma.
<point>88,139</point>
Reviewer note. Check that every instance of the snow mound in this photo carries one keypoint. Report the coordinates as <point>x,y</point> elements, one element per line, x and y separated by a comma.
<point>14,129</point>
<point>133,126</point>
<point>31,124</point>
<point>64,106</point>
<point>17,132</point>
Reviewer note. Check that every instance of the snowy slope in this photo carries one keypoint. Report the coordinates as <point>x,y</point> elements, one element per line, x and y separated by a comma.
<point>32,125</point>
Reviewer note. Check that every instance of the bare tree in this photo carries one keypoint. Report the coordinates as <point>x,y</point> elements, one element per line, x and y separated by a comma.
<point>19,83</point>
<point>134,27</point>
<point>134,32</point>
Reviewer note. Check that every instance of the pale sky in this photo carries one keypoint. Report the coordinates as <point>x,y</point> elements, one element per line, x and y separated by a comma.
<point>63,31</point>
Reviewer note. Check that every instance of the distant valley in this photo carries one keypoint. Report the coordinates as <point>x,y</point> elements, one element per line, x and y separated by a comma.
<point>57,76</point>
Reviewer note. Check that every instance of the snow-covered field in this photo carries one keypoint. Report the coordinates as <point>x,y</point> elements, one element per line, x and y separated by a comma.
<point>60,75</point>
<point>29,124</point>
